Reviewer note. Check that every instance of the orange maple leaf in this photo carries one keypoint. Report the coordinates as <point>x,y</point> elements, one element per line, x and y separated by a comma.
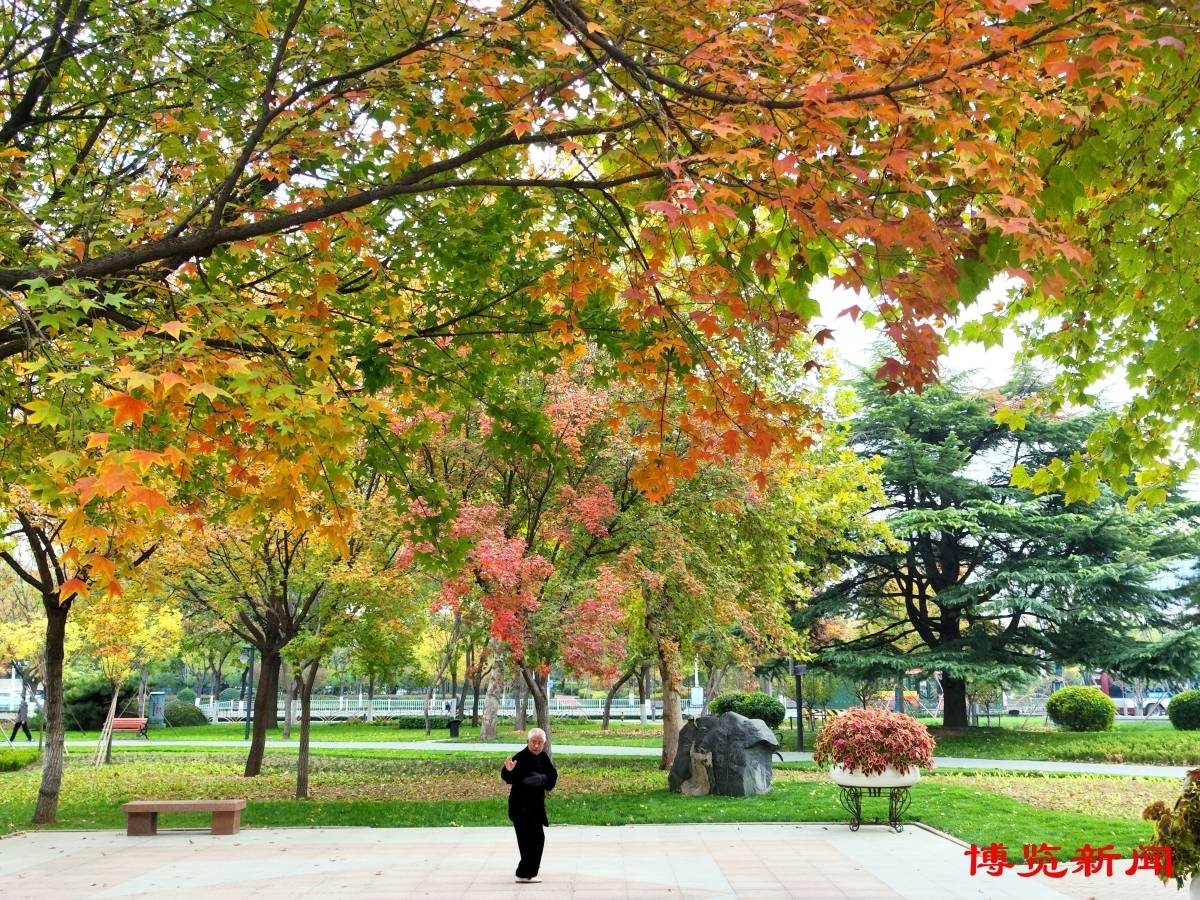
<point>70,588</point>
<point>173,328</point>
<point>114,479</point>
<point>149,498</point>
<point>144,459</point>
<point>126,409</point>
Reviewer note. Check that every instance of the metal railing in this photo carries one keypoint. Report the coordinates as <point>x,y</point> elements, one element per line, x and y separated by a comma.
<point>337,709</point>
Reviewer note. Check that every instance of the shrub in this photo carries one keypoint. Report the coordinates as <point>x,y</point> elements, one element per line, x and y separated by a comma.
<point>1079,708</point>
<point>872,740</point>
<point>1184,711</point>
<point>12,760</point>
<point>436,721</point>
<point>86,701</point>
<point>179,714</point>
<point>230,694</point>
<point>753,705</point>
<point>187,695</point>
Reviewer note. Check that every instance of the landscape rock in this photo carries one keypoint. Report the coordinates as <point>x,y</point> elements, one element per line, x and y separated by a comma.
<point>740,751</point>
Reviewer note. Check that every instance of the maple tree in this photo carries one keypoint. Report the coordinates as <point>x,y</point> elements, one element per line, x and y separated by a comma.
<point>1122,188</point>
<point>123,634</point>
<point>514,532</point>
<point>212,264</point>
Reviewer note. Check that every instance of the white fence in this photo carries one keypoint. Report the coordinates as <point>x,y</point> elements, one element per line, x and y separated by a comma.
<point>337,709</point>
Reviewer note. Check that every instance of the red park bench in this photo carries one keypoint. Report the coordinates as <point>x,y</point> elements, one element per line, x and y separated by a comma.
<point>142,815</point>
<point>138,725</point>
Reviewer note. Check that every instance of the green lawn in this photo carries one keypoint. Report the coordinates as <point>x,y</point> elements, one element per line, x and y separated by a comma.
<point>393,789</point>
<point>566,731</point>
<point>1129,742</point>
<point>234,731</point>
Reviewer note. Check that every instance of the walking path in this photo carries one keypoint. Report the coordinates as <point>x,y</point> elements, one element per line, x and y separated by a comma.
<point>631,862</point>
<point>947,762</point>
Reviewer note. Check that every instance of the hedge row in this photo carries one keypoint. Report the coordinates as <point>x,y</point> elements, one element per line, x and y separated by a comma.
<point>12,760</point>
<point>752,705</point>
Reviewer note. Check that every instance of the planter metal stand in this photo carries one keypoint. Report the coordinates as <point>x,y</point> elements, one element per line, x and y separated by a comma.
<point>851,801</point>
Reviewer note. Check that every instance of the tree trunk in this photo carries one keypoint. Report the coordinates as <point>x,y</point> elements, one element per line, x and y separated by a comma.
<point>46,810</point>
<point>954,702</point>
<point>288,684</point>
<point>476,684</point>
<point>104,748</point>
<point>712,685</point>
<point>519,698</point>
<point>448,652</point>
<point>491,705</point>
<point>428,701</point>
<point>643,693</point>
<point>672,677</point>
<point>541,701</point>
<point>272,708</point>
<point>308,677</point>
<point>265,697</point>
<point>371,699</point>
<point>608,698</point>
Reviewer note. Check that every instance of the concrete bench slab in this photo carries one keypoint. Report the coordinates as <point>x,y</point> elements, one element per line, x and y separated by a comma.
<point>142,815</point>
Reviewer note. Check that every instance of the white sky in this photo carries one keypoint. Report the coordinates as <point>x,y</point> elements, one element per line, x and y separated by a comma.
<point>988,367</point>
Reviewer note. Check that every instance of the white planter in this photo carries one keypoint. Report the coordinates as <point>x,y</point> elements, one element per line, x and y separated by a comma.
<point>888,778</point>
<point>1194,888</point>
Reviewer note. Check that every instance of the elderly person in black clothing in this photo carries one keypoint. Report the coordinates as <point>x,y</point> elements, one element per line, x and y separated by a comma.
<point>532,776</point>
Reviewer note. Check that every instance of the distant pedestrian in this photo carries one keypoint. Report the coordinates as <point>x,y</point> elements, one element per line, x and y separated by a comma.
<point>532,775</point>
<point>22,722</point>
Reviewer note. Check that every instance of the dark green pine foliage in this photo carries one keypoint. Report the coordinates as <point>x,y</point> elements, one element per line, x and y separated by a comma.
<point>991,581</point>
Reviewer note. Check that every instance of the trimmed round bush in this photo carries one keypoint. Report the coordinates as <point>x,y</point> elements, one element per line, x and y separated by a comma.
<point>230,694</point>
<point>179,714</point>
<point>1184,711</point>
<point>752,705</point>
<point>1079,708</point>
<point>187,695</point>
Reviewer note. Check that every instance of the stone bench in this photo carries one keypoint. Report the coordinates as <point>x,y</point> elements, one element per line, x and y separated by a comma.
<point>142,815</point>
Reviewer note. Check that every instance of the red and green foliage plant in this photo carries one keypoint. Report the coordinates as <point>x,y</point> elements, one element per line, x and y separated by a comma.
<point>871,740</point>
<point>1178,827</point>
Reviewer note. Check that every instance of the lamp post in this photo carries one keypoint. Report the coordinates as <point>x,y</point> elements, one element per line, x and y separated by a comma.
<point>248,656</point>
<point>798,669</point>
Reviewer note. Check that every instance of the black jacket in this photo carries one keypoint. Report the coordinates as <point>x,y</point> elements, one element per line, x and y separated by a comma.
<point>533,776</point>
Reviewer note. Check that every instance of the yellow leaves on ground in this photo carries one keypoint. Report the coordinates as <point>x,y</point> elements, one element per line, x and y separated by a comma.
<point>1118,798</point>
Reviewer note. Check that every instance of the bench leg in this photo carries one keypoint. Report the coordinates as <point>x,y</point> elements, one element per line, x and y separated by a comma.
<point>141,824</point>
<point>227,822</point>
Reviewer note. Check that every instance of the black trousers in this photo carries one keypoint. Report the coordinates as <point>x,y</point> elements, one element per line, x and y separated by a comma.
<point>531,839</point>
<point>17,726</point>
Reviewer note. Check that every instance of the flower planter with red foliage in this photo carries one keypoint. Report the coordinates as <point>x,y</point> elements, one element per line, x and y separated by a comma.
<point>874,748</point>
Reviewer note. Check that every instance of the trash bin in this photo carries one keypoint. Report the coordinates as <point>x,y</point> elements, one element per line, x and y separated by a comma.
<point>454,723</point>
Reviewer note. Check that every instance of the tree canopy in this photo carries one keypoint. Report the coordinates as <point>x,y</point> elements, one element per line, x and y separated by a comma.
<point>990,580</point>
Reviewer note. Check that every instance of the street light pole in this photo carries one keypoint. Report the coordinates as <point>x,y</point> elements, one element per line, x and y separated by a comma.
<point>249,695</point>
<point>798,669</point>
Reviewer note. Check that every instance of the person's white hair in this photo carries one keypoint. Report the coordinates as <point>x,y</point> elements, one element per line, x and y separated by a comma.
<point>534,732</point>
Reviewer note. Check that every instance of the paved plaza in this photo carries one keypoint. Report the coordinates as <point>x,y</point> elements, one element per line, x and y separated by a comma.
<point>691,862</point>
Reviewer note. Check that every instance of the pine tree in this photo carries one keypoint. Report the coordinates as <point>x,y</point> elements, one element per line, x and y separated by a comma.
<point>988,580</point>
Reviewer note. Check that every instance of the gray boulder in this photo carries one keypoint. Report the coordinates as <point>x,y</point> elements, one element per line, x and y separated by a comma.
<point>740,750</point>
